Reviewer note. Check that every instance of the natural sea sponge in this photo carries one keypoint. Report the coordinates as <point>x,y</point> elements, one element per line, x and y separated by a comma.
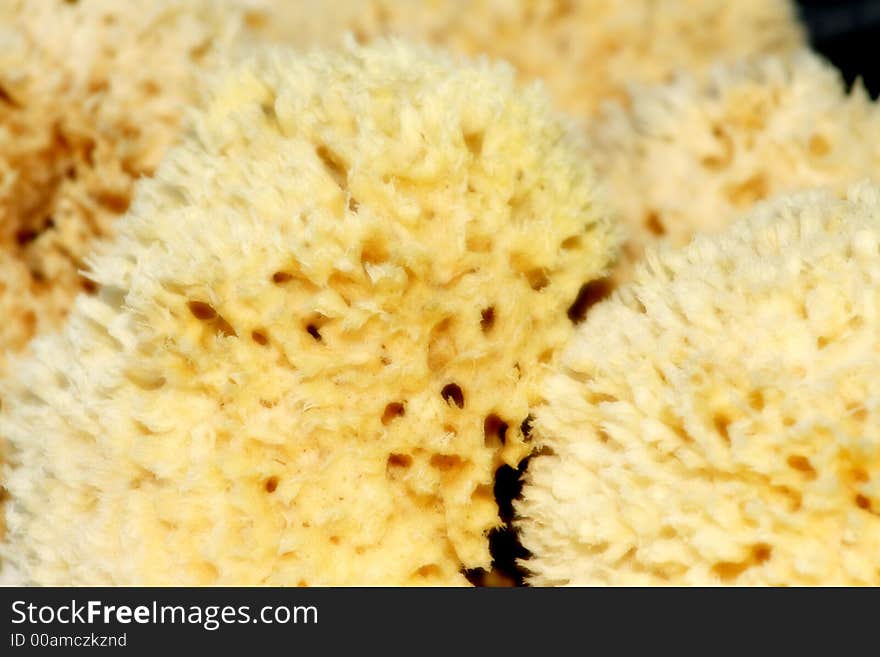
<point>699,153</point>
<point>587,51</point>
<point>318,333</point>
<point>91,95</point>
<point>717,421</point>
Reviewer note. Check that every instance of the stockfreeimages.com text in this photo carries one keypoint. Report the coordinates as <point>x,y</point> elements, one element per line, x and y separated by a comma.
<point>211,617</point>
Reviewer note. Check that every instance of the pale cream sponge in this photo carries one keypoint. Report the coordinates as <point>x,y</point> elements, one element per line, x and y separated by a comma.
<point>717,421</point>
<point>701,152</point>
<point>319,330</point>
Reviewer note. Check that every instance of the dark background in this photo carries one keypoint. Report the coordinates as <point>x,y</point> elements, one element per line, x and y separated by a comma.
<point>848,33</point>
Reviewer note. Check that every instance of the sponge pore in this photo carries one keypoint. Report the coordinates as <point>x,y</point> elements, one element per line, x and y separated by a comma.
<point>319,331</point>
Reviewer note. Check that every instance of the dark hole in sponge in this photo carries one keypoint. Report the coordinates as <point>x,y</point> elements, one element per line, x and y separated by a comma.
<point>802,464</point>
<point>271,484</point>
<point>400,460</point>
<point>224,328</point>
<point>494,430</point>
<point>452,392</point>
<point>487,319</point>
<point>6,98</point>
<point>504,544</point>
<point>722,424</point>
<point>334,164</point>
<point>588,296</point>
<point>654,224</point>
<point>314,332</point>
<point>526,427</point>
<point>202,310</point>
<point>445,462</point>
<point>429,570</point>
<point>206,313</point>
<point>25,236</point>
<point>573,242</point>
<point>761,552</point>
<point>474,142</point>
<point>392,411</point>
<point>538,279</point>
<point>89,286</point>
<point>508,486</point>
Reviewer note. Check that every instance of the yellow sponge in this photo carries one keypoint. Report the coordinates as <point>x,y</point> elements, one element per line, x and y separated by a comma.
<point>717,421</point>
<point>91,95</point>
<point>319,330</point>
<point>586,50</point>
<point>699,153</point>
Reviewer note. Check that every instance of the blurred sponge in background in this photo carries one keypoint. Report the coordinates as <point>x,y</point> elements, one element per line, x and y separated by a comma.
<point>91,95</point>
<point>691,155</point>
<point>586,51</point>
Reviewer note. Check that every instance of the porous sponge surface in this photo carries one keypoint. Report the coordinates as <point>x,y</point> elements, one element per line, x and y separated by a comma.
<point>586,51</point>
<point>319,330</point>
<point>717,421</point>
<point>700,153</point>
<point>91,96</point>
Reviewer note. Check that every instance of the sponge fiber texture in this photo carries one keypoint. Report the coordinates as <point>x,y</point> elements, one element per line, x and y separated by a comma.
<point>717,421</point>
